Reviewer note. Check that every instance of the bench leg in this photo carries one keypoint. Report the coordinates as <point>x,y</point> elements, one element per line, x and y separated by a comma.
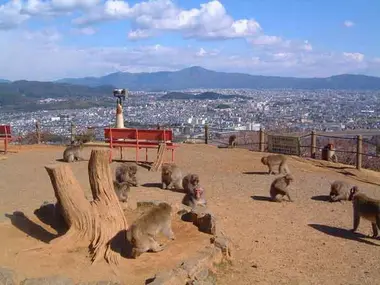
<point>172,155</point>
<point>121,153</point>
<point>146,154</point>
<point>5,146</point>
<point>137,154</point>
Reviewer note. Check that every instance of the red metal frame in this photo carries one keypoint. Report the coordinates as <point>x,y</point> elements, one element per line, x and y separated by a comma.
<point>6,136</point>
<point>139,138</point>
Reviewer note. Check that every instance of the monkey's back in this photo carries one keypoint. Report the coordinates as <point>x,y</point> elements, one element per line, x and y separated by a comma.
<point>278,186</point>
<point>367,206</point>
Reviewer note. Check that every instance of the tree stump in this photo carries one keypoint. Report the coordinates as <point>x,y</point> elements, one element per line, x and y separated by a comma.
<point>99,224</point>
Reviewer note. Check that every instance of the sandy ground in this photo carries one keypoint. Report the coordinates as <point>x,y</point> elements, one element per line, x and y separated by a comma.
<point>305,242</point>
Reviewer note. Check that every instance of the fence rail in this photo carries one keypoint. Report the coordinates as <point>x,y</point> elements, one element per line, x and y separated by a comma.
<point>352,150</point>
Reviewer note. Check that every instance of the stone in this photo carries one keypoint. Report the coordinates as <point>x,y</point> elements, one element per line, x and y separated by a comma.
<point>170,277</point>
<point>7,276</point>
<point>204,220</point>
<point>51,280</point>
<point>223,244</point>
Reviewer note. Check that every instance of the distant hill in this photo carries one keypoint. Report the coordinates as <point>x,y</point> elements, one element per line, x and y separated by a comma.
<point>201,96</point>
<point>4,81</point>
<point>24,95</point>
<point>198,77</point>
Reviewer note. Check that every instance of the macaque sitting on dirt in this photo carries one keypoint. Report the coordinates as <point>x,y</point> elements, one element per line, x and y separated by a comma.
<point>143,232</point>
<point>72,152</point>
<point>126,172</point>
<point>171,176</point>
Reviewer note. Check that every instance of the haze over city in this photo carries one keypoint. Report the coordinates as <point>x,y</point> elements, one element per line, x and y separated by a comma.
<point>50,40</point>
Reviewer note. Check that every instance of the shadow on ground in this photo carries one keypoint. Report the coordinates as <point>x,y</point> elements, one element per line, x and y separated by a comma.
<point>342,233</point>
<point>321,198</point>
<point>256,173</point>
<point>262,198</point>
<point>24,224</point>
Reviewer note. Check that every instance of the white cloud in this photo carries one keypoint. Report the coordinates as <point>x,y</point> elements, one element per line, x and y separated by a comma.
<point>355,56</point>
<point>41,56</point>
<point>348,23</point>
<point>278,43</point>
<point>10,15</point>
<point>209,21</point>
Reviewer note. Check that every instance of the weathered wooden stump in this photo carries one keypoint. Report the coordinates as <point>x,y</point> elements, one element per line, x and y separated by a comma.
<point>99,224</point>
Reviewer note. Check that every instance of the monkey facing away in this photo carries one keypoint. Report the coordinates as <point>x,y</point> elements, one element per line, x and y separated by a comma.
<point>126,172</point>
<point>171,176</point>
<point>278,188</point>
<point>72,153</point>
<point>276,160</point>
<point>122,190</point>
<point>339,191</point>
<point>190,182</point>
<point>365,207</point>
<point>195,198</point>
<point>232,141</point>
<point>143,232</point>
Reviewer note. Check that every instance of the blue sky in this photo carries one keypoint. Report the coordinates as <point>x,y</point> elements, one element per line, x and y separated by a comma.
<point>47,40</point>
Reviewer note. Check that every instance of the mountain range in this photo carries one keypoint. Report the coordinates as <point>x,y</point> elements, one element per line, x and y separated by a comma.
<point>198,77</point>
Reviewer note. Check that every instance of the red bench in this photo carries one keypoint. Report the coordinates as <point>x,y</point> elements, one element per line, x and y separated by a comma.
<point>5,135</point>
<point>139,138</point>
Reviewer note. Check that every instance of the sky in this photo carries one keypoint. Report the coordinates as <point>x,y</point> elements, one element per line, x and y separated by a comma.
<point>52,39</point>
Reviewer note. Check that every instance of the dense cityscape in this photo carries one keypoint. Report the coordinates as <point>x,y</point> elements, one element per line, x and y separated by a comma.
<point>273,110</point>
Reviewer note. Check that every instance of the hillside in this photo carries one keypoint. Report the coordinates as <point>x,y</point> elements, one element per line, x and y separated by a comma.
<point>25,95</point>
<point>198,77</point>
<point>304,242</point>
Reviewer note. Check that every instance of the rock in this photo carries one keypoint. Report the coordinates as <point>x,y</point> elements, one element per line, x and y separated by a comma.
<point>7,276</point>
<point>223,244</point>
<point>170,277</point>
<point>183,210</point>
<point>52,280</point>
<point>204,220</point>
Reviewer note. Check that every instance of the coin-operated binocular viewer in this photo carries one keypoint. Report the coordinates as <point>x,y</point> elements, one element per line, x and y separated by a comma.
<point>120,94</point>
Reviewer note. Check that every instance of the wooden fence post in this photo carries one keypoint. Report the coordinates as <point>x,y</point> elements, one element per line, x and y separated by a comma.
<point>206,133</point>
<point>313,145</point>
<point>359,150</point>
<point>72,132</point>
<point>38,132</point>
<point>262,138</point>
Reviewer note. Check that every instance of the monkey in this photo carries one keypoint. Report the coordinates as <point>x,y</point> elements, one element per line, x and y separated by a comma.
<point>339,191</point>
<point>232,142</point>
<point>122,190</point>
<point>72,153</point>
<point>171,176</point>
<point>278,188</point>
<point>274,160</point>
<point>142,233</point>
<point>365,207</point>
<point>126,172</point>
<point>190,182</point>
<point>195,198</point>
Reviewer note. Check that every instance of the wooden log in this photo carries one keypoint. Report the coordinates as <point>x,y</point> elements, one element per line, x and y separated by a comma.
<point>76,209</point>
<point>101,224</point>
<point>110,215</point>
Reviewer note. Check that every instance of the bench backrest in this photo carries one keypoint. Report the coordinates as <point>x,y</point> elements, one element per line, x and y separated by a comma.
<point>139,135</point>
<point>5,131</point>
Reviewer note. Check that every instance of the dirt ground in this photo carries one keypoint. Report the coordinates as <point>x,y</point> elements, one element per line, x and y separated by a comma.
<point>305,242</point>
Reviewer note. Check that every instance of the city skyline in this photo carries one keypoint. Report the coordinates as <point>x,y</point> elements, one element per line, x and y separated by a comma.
<point>49,40</point>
